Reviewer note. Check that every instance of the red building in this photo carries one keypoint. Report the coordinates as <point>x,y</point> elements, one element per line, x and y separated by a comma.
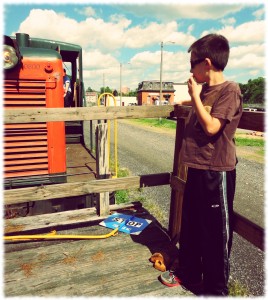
<point>149,93</point>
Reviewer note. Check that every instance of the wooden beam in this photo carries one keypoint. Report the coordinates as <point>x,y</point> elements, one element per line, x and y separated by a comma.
<point>252,121</point>
<point>154,179</point>
<point>102,164</point>
<point>181,111</point>
<point>72,189</point>
<point>34,115</point>
<point>180,172</point>
<point>61,219</point>
<point>249,231</point>
<point>249,120</point>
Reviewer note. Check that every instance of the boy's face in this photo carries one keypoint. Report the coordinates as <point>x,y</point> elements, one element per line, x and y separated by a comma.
<point>198,68</point>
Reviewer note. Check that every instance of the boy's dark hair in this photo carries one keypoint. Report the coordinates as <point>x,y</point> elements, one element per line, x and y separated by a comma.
<point>212,46</point>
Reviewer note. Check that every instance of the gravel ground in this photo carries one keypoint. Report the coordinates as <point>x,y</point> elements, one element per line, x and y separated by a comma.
<point>147,151</point>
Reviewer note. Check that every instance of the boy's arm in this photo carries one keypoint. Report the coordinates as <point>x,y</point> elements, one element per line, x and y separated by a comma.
<point>66,87</point>
<point>210,125</point>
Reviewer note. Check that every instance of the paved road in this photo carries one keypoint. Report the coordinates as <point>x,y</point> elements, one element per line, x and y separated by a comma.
<point>147,151</point>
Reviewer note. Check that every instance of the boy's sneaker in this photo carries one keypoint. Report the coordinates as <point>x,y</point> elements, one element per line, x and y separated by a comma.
<point>168,278</point>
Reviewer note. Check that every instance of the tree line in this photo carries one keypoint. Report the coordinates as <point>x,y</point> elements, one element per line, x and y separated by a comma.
<point>107,89</point>
<point>253,91</point>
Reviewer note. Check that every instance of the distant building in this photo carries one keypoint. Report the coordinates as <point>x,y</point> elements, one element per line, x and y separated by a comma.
<point>126,101</point>
<point>125,90</point>
<point>181,92</point>
<point>149,93</point>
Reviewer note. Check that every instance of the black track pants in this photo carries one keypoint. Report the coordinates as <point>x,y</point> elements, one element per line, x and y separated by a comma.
<point>207,229</point>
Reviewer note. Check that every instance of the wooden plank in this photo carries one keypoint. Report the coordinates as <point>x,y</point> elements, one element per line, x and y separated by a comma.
<point>249,120</point>
<point>60,219</point>
<point>34,115</point>
<point>252,121</point>
<point>181,111</point>
<point>69,189</point>
<point>154,179</point>
<point>179,171</point>
<point>72,189</point>
<point>249,231</point>
<point>102,166</point>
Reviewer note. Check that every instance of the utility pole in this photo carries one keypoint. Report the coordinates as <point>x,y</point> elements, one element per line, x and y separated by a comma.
<point>103,79</point>
<point>161,67</point>
<point>161,70</point>
<point>120,84</point>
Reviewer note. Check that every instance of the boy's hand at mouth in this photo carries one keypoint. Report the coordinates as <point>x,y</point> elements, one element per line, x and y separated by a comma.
<point>194,89</point>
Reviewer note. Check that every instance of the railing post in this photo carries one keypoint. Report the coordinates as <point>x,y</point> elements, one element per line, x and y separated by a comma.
<point>178,179</point>
<point>102,166</point>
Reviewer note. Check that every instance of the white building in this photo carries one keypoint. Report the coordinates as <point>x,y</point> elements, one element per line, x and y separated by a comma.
<point>126,101</point>
<point>181,92</point>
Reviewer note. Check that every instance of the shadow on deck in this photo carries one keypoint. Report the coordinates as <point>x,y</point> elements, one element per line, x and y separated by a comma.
<point>115,266</point>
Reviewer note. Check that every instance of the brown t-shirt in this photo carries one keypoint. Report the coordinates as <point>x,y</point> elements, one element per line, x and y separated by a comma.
<point>200,151</point>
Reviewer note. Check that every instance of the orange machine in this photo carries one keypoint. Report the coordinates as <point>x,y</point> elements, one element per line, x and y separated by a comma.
<point>35,153</point>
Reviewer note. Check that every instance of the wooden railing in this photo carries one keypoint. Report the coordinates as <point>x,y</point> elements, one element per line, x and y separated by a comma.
<point>176,178</point>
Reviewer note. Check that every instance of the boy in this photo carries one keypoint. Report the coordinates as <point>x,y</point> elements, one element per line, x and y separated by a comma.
<point>208,150</point>
<point>67,90</point>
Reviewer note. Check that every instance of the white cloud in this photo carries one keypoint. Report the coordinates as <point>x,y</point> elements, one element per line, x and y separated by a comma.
<point>143,59</point>
<point>259,13</point>
<point>249,32</point>
<point>154,33</point>
<point>250,58</point>
<point>123,20</point>
<point>240,51</point>
<point>39,20</point>
<point>229,21</point>
<point>254,73</point>
<point>190,28</point>
<point>166,12</point>
<point>86,11</point>
<point>95,59</point>
<point>247,61</point>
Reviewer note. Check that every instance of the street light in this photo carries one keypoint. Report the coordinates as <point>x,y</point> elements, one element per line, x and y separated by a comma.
<point>161,69</point>
<point>121,82</point>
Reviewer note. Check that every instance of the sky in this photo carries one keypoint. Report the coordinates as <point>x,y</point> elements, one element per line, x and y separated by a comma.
<point>127,35</point>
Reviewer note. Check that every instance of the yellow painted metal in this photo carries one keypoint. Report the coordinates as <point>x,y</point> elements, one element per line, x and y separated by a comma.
<point>107,103</point>
<point>53,235</point>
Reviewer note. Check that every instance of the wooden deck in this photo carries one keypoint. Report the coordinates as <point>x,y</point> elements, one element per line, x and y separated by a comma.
<point>81,166</point>
<point>115,266</point>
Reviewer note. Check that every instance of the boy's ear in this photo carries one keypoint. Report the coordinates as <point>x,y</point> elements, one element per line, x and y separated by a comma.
<point>208,62</point>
